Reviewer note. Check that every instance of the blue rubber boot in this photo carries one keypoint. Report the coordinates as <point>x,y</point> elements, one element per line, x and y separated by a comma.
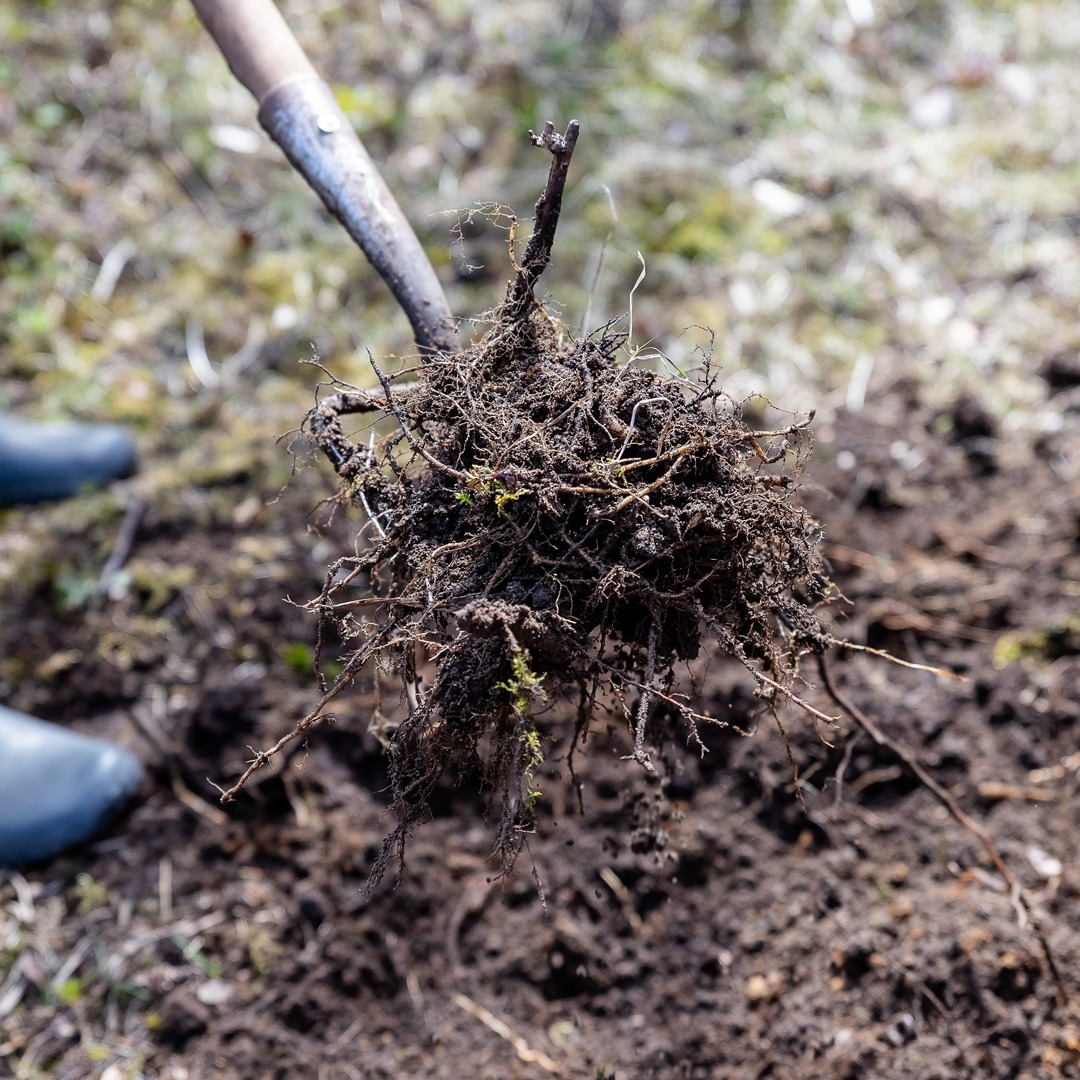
<point>57,787</point>
<point>40,462</point>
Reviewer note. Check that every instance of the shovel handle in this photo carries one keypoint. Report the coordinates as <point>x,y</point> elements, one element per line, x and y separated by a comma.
<point>299,112</point>
<point>256,41</point>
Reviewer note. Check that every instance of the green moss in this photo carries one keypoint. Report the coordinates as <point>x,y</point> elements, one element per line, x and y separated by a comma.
<point>158,582</point>
<point>1046,645</point>
<point>74,587</point>
<point>93,895</point>
<point>368,105</point>
<point>299,657</point>
<point>534,758</point>
<point>524,684</point>
<point>501,488</point>
<point>70,991</point>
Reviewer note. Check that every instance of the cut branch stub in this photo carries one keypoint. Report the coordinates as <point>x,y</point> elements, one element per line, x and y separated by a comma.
<point>546,217</point>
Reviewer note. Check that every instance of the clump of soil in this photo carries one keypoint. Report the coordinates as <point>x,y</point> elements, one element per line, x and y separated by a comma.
<point>546,517</point>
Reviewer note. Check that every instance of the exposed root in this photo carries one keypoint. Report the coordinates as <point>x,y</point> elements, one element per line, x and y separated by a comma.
<point>1021,905</point>
<point>542,518</point>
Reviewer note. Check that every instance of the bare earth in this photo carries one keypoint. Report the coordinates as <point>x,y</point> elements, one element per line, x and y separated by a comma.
<point>922,297</point>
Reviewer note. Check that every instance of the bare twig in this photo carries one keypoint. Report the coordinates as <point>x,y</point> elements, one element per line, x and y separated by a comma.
<point>124,540</point>
<point>546,217</point>
<point>525,1052</point>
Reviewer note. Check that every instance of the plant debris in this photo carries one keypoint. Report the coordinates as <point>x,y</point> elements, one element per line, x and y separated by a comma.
<point>547,516</point>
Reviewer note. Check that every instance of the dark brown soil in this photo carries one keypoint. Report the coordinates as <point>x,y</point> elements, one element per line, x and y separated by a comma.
<point>706,925</point>
<point>826,181</point>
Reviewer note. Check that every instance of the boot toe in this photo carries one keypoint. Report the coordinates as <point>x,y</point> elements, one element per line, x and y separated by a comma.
<point>57,787</point>
<point>40,462</point>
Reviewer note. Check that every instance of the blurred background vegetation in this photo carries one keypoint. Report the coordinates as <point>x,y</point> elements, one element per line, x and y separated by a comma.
<point>849,192</point>
<point>859,198</point>
<point>865,200</point>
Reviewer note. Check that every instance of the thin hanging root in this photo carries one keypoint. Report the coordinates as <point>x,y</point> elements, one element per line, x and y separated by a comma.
<point>832,721</point>
<point>785,433</point>
<point>850,646</point>
<point>792,763</point>
<point>264,757</point>
<point>642,712</point>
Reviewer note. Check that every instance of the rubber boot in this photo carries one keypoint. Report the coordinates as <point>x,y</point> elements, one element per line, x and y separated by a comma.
<point>57,787</point>
<point>41,462</point>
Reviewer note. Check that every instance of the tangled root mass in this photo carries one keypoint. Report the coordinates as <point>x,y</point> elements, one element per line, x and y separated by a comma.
<point>544,517</point>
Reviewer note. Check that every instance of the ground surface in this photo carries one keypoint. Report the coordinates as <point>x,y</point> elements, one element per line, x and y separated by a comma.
<point>874,206</point>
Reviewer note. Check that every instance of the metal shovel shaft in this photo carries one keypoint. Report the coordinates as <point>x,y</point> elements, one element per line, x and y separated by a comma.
<point>299,112</point>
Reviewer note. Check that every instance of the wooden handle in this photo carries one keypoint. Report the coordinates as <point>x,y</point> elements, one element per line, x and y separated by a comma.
<point>256,41</point>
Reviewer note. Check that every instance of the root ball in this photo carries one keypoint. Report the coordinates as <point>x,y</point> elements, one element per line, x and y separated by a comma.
<point>545,517</point>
